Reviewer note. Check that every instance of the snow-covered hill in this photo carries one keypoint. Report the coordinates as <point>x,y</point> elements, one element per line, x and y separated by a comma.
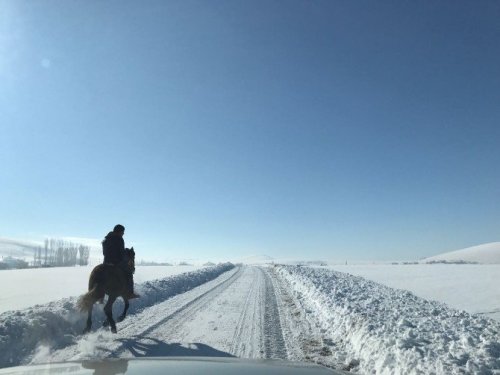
<point>266,259</point>
<point>488,253</point>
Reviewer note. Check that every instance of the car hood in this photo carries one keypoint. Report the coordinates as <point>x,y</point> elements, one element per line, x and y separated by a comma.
<point>175,365</point>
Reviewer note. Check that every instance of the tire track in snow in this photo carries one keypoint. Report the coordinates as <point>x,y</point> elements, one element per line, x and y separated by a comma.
<point>239,317</point>
<point>175,321</point>
<point>273,336</point>
<point>304,340</point>
<point>103,344</point>
<point>193,306</point>
<point>249,322</point>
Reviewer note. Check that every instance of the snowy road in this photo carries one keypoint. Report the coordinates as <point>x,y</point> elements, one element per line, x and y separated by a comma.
<point>236,314</point>
<point>282,312</point>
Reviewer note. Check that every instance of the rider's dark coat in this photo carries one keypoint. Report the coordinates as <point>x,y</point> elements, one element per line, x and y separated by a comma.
<point>113,248</point>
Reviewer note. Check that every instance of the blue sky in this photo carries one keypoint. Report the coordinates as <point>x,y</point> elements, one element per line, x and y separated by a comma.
<point>217,129</point>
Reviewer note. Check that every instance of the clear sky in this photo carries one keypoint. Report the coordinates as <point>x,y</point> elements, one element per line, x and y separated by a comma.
<point>217,129</point>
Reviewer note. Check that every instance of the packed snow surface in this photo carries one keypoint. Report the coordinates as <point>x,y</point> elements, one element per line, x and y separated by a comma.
<point>488,253</point>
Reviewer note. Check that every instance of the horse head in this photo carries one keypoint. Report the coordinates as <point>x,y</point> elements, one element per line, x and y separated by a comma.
<point>130,254</point>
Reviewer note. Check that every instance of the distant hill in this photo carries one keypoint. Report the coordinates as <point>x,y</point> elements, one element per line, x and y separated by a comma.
<point>266,259</point>
<point>488,253</point>
<point>256,259</point>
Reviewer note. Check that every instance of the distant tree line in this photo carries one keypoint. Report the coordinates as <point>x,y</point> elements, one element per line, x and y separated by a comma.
<point>143,262</point>
<point>61,253</point>
<point>8,263</point>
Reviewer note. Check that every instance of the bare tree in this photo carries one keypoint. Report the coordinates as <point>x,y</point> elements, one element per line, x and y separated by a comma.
<point>60,253</point>
<point>46,243</point>
<point>84,255</point>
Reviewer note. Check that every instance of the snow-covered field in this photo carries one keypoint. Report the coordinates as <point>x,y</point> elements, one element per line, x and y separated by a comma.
<point>470,287</point>
<point>283,312</point>
<point>28,287</point>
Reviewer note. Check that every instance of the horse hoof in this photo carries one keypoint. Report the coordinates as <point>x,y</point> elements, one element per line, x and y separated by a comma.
<point>105,323</point>
<point>85,331</point>
<point>113,329</point>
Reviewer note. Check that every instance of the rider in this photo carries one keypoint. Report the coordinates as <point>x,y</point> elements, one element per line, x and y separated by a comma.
<point>113,249</point>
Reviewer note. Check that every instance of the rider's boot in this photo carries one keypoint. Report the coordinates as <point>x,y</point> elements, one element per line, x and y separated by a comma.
<point>130,285</point>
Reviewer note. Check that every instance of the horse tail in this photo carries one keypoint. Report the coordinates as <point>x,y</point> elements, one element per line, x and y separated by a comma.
<point>86,301</point>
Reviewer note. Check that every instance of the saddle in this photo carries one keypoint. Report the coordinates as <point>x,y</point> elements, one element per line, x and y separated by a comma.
<point>128,266</point>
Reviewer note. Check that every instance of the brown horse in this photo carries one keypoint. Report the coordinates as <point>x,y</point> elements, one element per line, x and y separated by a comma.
<point>111,280</point>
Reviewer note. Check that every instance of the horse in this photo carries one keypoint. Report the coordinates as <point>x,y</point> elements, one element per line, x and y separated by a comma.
<point>111,280</point>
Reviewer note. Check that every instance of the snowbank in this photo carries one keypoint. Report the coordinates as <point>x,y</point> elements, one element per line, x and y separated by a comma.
<point>57,324</point>
<point>381,330</point>
<point>475,291</point>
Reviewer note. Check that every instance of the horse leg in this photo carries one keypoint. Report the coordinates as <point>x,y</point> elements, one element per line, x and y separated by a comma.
<point>105,322</point>
<point>108,310</point>
<point>89,321</point>
<point>124,313</point>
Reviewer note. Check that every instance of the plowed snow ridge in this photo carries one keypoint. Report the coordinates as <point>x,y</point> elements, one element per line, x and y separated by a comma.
<point>374,328</point>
